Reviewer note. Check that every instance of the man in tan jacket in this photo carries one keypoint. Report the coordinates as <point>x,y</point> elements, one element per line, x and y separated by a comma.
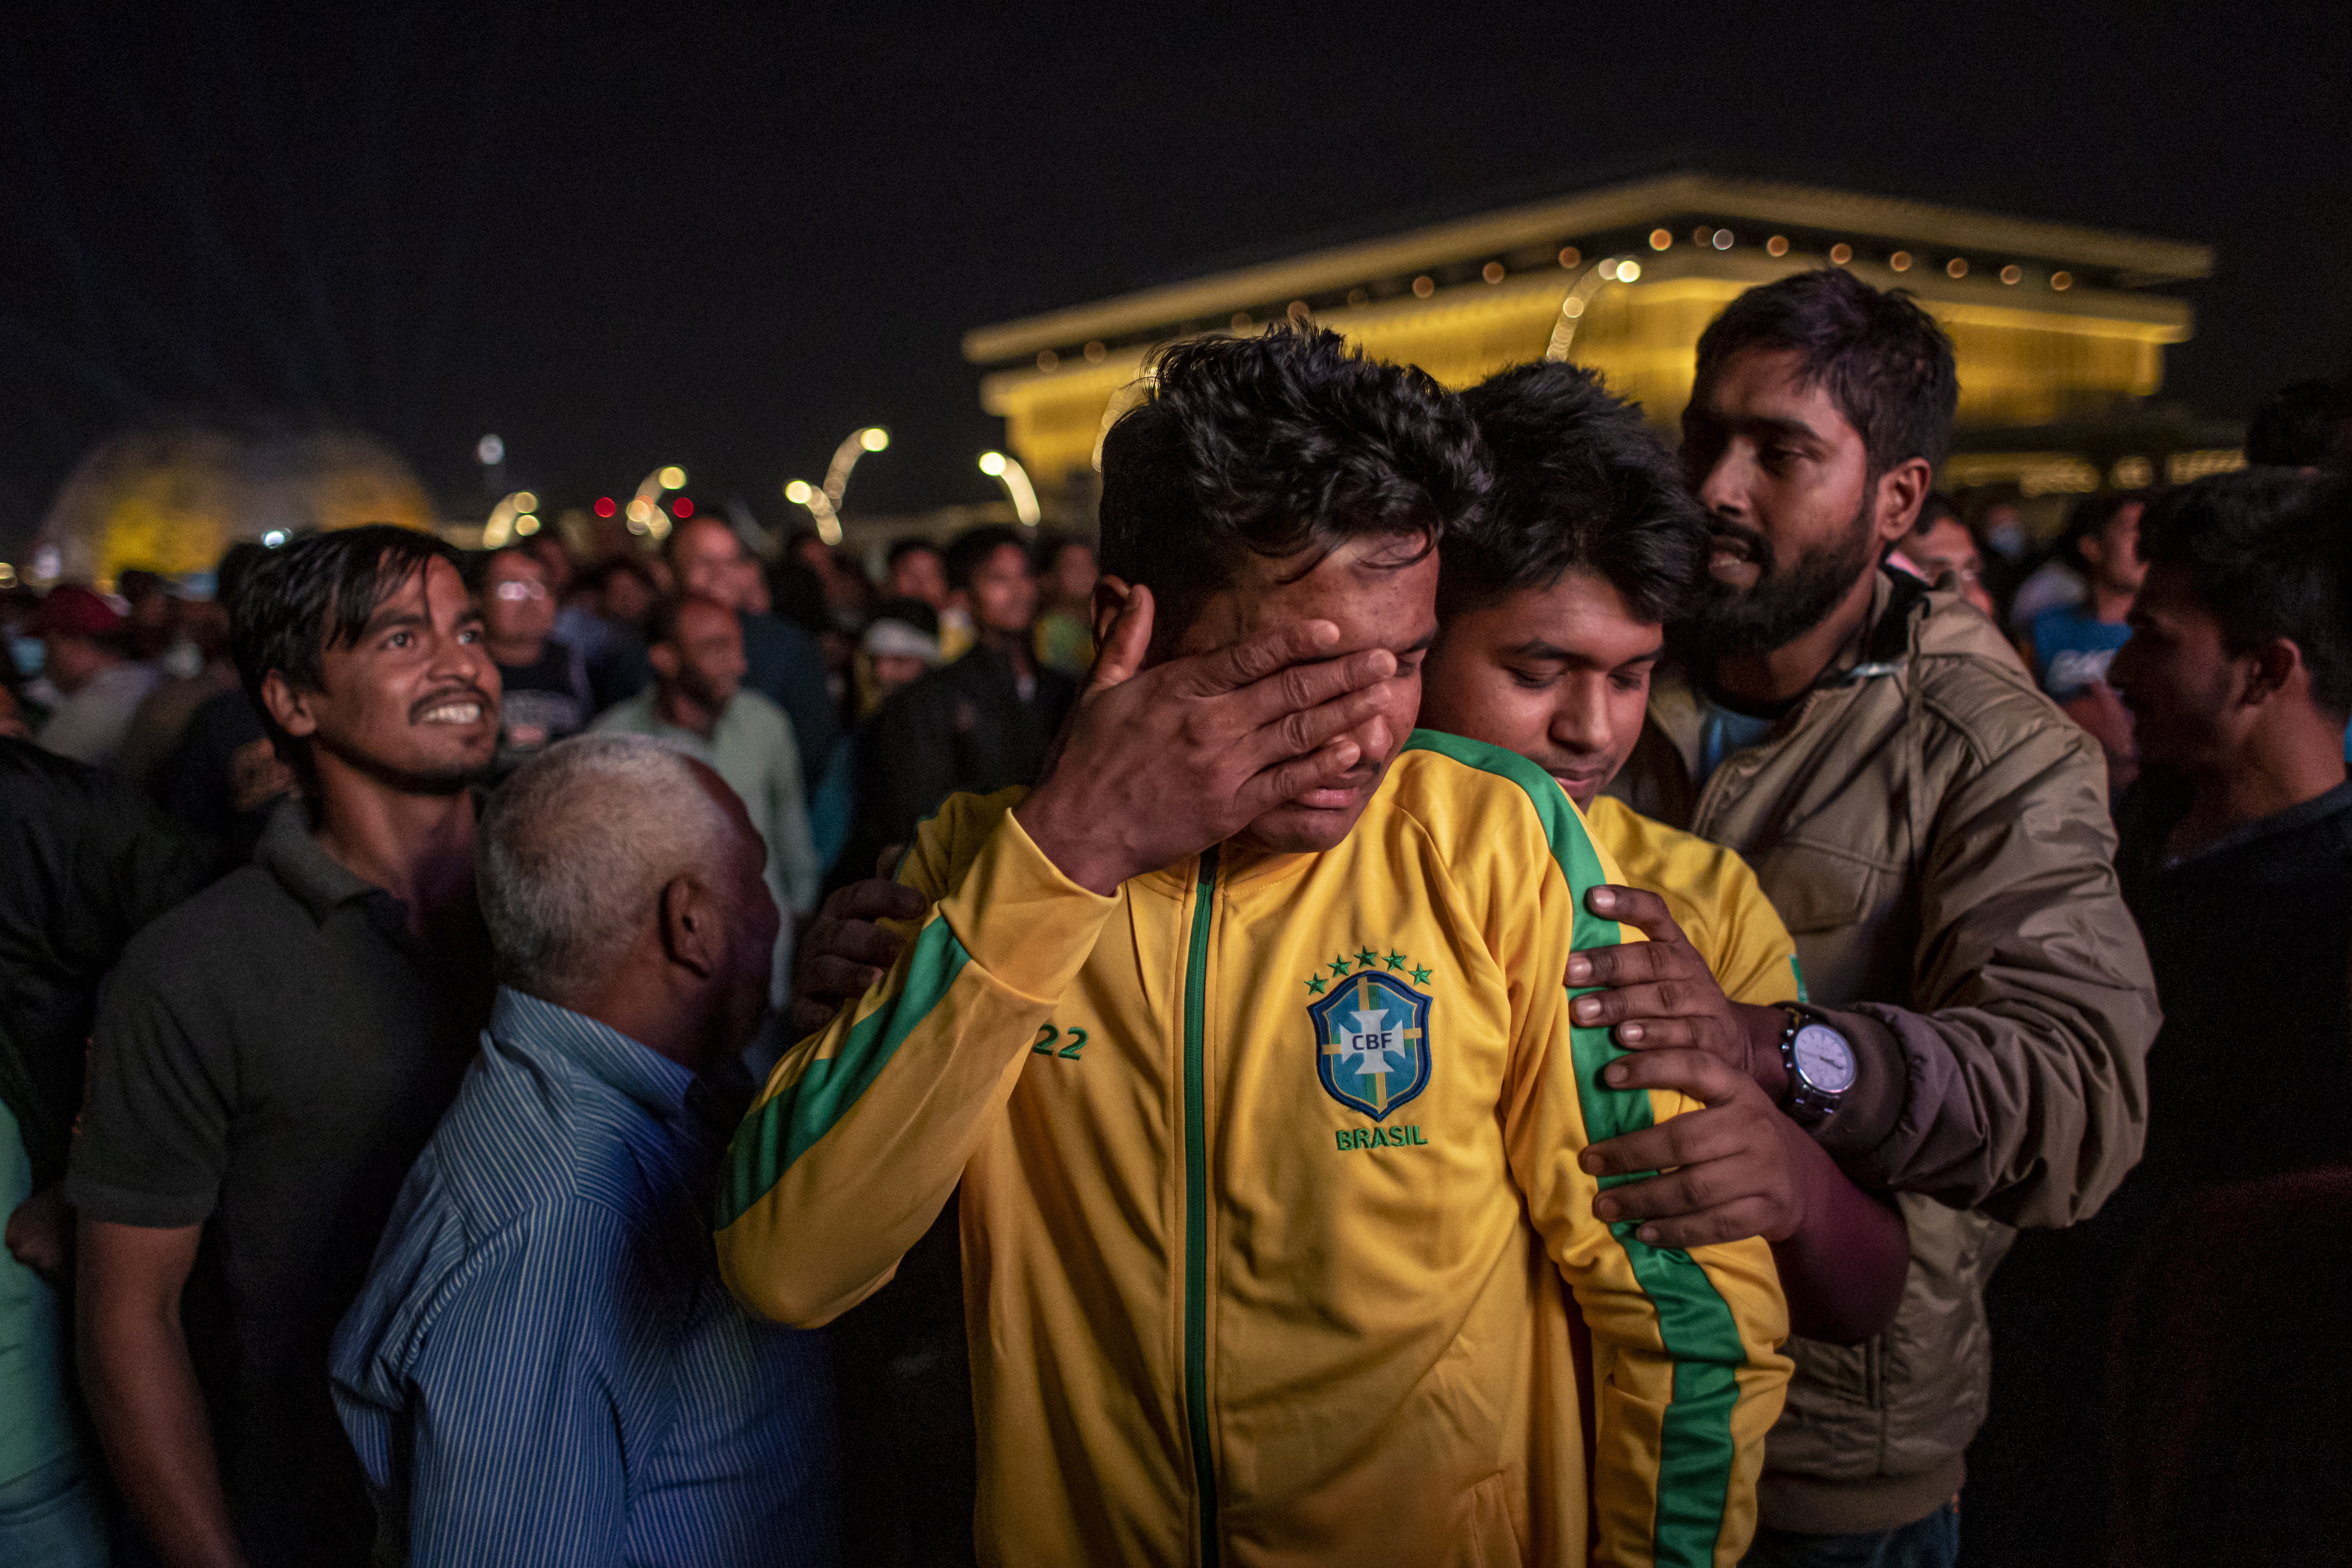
<point>1935,833</point>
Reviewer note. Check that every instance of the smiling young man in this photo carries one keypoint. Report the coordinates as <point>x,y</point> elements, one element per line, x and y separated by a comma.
<point>269,1057</point>
<point>1245,1036</point>
<point>1552,607</point>
<point>1935,832</point>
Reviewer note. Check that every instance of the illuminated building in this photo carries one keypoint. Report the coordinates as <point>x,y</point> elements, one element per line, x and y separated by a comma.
<point>173,497</point>
<point>2059,329</point>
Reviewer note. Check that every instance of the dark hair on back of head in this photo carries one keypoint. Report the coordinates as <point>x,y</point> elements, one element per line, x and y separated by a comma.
<point>1275,445</point>
<point>237,564</point>
<point>902,548</point>
<point>1580,483</point>
<point>2089,519</point>
<point>2264,551</point>
<point>1884,361</point>
<point>317,593</point>
<point>2302,425</point>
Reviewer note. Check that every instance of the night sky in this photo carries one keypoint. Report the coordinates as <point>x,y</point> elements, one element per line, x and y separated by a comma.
<point>623,239</point>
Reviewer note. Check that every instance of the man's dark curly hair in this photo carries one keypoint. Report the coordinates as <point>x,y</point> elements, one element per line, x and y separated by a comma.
<point>1886,364</point>
<point>2264,551</point>
<point>1580,483</point>
<point>1273,446</point>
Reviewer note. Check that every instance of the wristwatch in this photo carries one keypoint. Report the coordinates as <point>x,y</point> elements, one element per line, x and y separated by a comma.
<point>1818,1060</point>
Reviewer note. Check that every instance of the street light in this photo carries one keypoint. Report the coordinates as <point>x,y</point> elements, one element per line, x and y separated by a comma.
<point>514,514</point>
<point>855,445</point>
<point>1005,471</point>
<point>800,492</point>
<point>644,511</point>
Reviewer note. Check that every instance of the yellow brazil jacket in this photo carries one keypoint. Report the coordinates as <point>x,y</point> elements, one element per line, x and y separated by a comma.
<point>1713,895</point>
<point>1269,1192</point>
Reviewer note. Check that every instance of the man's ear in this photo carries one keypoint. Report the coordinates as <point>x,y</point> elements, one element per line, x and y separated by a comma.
<point>693,927</point>
<point>289,708</point>
<point>2276,668</point>
<point>1901,490</point>
<point>664,658</point>
<point>1110,597</point>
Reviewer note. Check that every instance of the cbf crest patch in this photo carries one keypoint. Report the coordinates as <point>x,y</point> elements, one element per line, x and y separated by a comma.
<point>1372,1040</point>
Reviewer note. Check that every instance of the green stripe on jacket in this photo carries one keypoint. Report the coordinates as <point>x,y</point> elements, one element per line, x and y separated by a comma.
<point>1694,1324</point>
<point>789,1124</point>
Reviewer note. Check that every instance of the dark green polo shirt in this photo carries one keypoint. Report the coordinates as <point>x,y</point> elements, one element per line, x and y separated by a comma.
<point>269,1057</point>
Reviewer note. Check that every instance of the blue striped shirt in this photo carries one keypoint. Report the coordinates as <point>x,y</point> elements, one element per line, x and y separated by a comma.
<point>544,1367</point>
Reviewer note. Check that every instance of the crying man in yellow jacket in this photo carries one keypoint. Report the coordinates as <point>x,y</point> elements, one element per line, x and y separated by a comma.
<point>1245,1036</point>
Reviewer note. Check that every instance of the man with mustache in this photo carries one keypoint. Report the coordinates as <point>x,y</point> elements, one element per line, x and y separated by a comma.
<point>269,1057</point>
<point>1936,834</point>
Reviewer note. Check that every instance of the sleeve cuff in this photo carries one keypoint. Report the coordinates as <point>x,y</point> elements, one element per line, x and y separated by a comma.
<point>1882,1082</point>
<point>1020,919</point>
<point>122,1205</point>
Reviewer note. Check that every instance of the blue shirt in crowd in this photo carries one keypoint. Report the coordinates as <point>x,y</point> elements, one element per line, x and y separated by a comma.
<point>544,1367</point>
<point>2073,648</point>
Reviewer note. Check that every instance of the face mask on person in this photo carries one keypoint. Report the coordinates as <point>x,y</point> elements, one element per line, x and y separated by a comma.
<point>30,653</point>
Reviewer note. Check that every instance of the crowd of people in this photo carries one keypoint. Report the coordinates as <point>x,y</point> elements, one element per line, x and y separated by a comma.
<point>1460,986</point>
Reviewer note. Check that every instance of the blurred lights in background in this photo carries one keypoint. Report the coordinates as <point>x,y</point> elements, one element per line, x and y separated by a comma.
<point>605,506</point>
<point>2061,281</point>
<point>1958,267</point>
<point>1424,287</point>
<point>2011,273</point>
<point>1569,255</point>
<point>1015,480</point>
<point>1660,240</point>
<point>672,476</point>
<point>682,508</point>
<point>7,575</point>
<point>1723,239</point>
<point>1492,272</point>
<point>1840,253</point>
<point>1777,246</point>
<point>1900,261</point>
<point>490,450</point>
<point>274,538</point>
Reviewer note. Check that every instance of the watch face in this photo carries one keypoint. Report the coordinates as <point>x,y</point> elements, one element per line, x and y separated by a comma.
<point>1825,1058</point>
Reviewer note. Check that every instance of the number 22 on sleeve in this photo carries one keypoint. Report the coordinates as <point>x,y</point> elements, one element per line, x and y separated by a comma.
<point>1047,1036</point>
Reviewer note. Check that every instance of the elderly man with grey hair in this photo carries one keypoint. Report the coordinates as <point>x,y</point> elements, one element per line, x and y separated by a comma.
<point>544,1367</point>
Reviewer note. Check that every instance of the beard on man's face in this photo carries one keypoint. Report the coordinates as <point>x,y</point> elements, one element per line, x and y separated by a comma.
<point>1785,602</point>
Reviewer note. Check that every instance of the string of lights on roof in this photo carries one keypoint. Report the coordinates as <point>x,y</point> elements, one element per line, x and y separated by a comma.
<point>1567,257</point>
